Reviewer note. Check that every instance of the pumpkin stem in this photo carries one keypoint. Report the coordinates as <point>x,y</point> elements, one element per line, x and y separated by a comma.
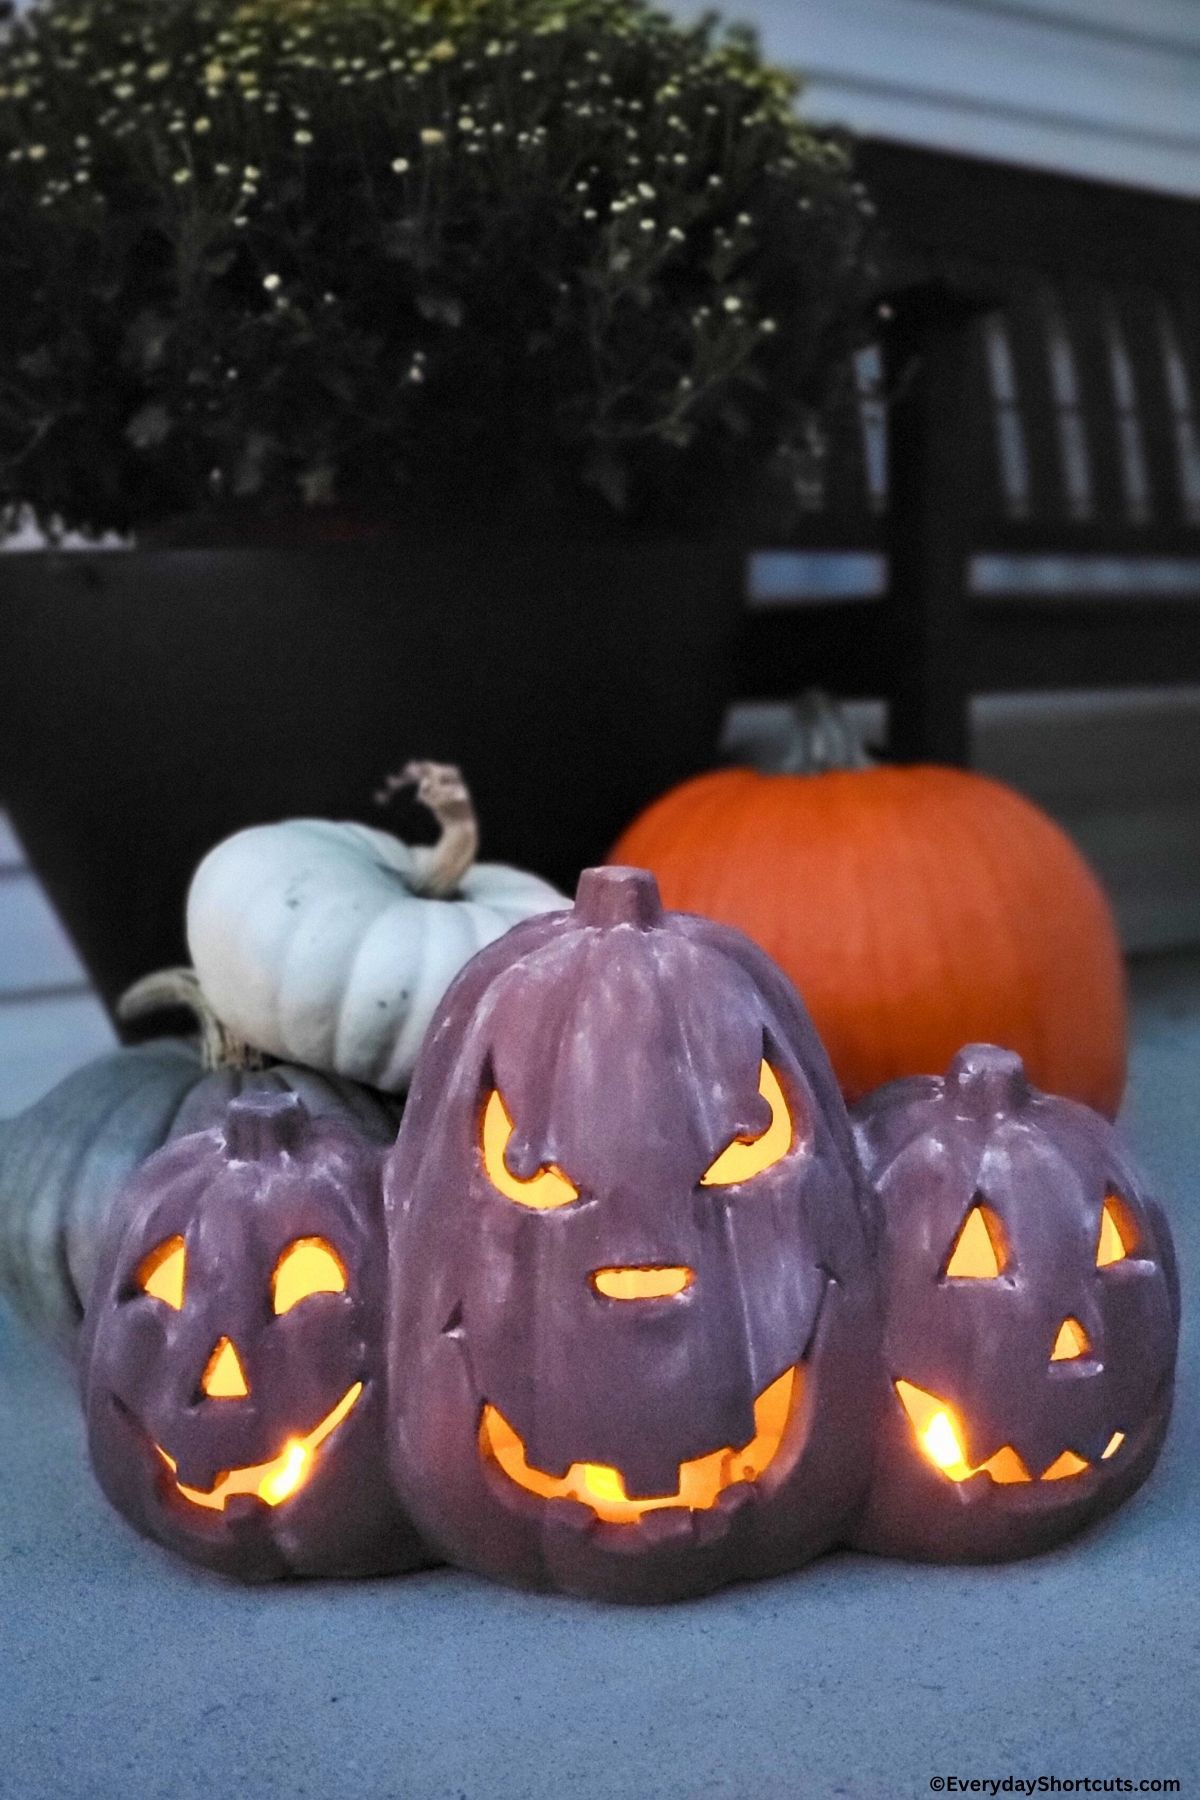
<point>441,788</point>
<point>219,1048</point>
<point>823,739</point>
<point>261,1126</point>
<point>988,1081</point>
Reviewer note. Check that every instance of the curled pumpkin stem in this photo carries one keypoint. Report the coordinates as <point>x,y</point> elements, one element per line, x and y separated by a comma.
<point>219,1047</point>
<point>440,787</point>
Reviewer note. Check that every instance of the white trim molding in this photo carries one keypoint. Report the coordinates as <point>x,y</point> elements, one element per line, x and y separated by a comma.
<point>1097,88</point>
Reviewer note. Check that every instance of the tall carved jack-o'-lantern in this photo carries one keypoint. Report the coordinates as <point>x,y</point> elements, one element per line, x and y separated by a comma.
<point>232,1350</point>
<point>633,1330</point>
<point>1032,1311</point>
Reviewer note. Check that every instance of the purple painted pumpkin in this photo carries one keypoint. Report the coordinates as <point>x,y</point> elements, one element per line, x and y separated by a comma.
<point>1032,1314</point>
<point>232,1350</point>
<point>632,1355</point>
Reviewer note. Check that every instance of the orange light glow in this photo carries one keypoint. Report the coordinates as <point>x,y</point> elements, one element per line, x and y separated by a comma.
<point>1116,1234</point>
<point>295,1464</point>
<point>224,1378</point>
<point>940,1441</point>
<point>1072,1342</point>
<point>1006,1466</point>
<point>702,1481</point>
<point>309,1266</point>
<point>545,1191</point>
<point>642,1284</point>
<point>940,1436</point>
<point>163,1274</point>
<point>275,1481</point>
<point>1113,1445</point>
<point>744,1159</point>
<point>979,1253</point>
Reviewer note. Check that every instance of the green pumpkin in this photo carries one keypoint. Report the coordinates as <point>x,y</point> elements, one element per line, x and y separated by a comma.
<point>63,1160</point>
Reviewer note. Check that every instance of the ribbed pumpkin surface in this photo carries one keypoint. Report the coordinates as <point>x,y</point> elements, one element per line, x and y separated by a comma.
<point>916,909</point>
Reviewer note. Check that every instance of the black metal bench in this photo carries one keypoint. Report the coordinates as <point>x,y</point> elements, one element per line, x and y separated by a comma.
<point>1043,362</point>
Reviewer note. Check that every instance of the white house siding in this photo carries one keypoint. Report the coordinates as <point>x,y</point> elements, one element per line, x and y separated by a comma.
<point>1106,88</point>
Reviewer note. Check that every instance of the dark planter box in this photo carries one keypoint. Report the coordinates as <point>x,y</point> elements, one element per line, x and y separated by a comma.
<point>153,701</point>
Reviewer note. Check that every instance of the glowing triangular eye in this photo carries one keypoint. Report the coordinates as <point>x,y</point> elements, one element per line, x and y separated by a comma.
<point>1072,1342</point>
<point>1116,1235</point>
<point>163,1274</point>
<point>309,1266</point>
<point>978,1253</point>
<point>545,1191</point>
<point>741,1160</point>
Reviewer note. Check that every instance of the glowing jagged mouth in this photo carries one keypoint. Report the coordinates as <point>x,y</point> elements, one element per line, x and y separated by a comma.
<point>702,1481</point>
<point>275,1481</point>
<point>940,1438</point>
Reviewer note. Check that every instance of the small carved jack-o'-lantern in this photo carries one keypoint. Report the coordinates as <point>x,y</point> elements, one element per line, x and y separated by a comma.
<point>1032,1310</point>
<point>632,1346</point>
<point>232,1349</point>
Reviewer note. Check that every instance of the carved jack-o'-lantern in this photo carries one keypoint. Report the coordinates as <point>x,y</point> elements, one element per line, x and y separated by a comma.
<point>1031,1315</point>
<point>232,1349</point>
<point>634,1302</point>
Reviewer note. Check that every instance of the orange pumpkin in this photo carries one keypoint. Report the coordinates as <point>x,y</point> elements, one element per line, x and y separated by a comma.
<point>916,909</point>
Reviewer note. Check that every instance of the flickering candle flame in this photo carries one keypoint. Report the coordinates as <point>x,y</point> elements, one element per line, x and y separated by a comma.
<point>941,1443</point>
<point>277,1486</point>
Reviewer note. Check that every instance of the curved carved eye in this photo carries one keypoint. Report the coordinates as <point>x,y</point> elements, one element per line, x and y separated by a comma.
<point>979,1253</point>
<point>743,1159</point>
<point>1118,1234</point>
<point>548,1189</point>
<point>308,1266</point>
<point>163,1273</point>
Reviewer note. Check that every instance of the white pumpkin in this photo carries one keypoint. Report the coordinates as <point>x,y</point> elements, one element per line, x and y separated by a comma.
<point>332,945</point>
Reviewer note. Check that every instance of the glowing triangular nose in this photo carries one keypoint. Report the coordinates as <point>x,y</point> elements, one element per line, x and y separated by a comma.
<point>223,1378</point>
<point>1072,1341</point>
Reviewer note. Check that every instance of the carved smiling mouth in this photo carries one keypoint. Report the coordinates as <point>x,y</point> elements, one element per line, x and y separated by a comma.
<point>702,1481</point>
<point>271,1482</point>
<point>940,1438</point>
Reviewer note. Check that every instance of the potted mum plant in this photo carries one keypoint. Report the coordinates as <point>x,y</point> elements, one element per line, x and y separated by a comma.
<point>434,363</point>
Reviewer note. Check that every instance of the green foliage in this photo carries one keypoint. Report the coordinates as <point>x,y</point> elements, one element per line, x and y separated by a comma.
<point>527,260</point>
